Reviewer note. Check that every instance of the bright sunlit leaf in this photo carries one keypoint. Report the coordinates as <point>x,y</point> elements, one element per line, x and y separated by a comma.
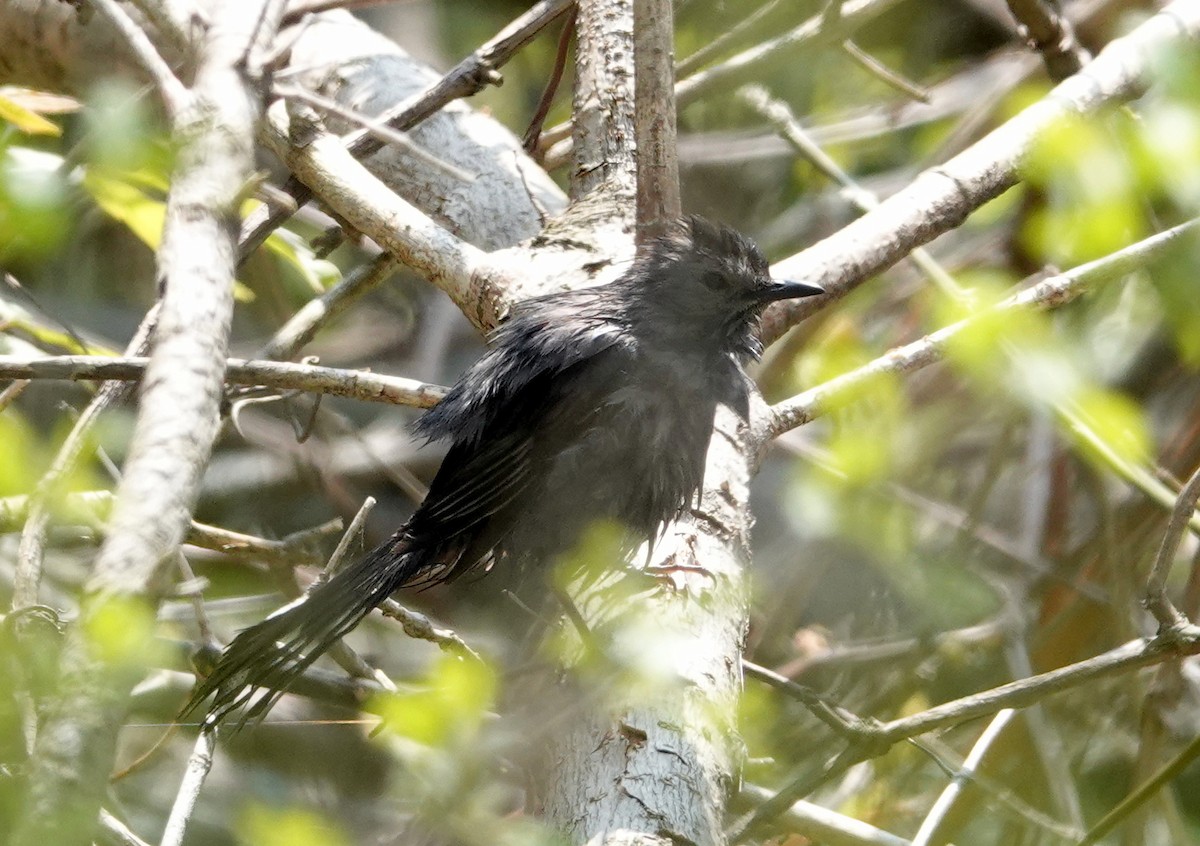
<point>123,201</point>
<point>120,631</point>
<point>1092,196</point>
<point>450,706</point>
<point>18,446</point>
<point>263,826</point>
<point>122,137</point>
<point>860,455</point>
<point>1117,421</point>
<point>26,120</point>
<point>34,219</point>
<point>318,274</point>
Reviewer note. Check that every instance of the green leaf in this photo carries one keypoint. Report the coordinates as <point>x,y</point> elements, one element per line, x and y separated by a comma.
<point>34,219</point>
<point>29,122</point>
<point>319,274</point>
<point>448,709</point>
<point>262,826</point>
<point>121,200</point>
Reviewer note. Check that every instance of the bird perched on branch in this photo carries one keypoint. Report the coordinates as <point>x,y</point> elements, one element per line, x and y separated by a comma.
<point>591,405</point>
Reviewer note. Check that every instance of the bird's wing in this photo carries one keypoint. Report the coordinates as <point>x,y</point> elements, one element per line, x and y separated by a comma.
<point>475,480</point>
<point>493,463</point>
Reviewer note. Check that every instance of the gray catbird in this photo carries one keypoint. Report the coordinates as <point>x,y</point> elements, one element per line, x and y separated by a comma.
<point>591,405</point>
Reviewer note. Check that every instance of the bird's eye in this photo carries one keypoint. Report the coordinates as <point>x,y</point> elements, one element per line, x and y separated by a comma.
<point>712,279</point>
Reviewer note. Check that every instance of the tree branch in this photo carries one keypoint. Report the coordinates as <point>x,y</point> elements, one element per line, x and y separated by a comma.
<point>355,384</point>
<point>1049,293</point>
<point>468,77</point>
<point>658,198</point>
<point>943,197</point>
<point>176,424</point>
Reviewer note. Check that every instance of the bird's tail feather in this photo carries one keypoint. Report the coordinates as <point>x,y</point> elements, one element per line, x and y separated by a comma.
<point>272,654</point>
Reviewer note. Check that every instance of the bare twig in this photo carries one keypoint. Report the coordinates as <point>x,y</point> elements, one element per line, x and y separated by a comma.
<point>303,326</point>
<point>823,825</point>
<point>942,197</point>
<point>814,32</point>
<point>174,95</point>
<point>10,393</point>
<point>530,140</point>
<point>1050,293</point>
<point>885,74</point>
<point>783,800</point>
<point>1143,792</point>
<point>113,832</point>
<point>420,627</point>
<point>356,384</point>
<point>841,721</point>
<point>876,738</point>
<point>692,62</point>
<point>937,814</point>
<point>780,116</point>
<point>942,755</point>
<point>1157,602</point>
<point>340,651</point>
<point>198,766</point>
<point>33,535</point>
<point>378,129</point>
<point>1049,32</point>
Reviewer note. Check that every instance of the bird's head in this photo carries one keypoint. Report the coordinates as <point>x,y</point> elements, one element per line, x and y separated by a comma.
<point>708,284</point>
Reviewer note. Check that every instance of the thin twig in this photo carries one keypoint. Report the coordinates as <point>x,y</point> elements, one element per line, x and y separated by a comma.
<point>1050,293</point>
<point>174,95</point>
<point>693,61</point>
<point>113,832</point>
<point>940,198</point>
<point>416,625</point>
<point>785,123</point>
<point>821,824</point>
<point>885,74</point>
<point>942,754</point>
<point>874,739</point>
<point>198,766</point>
<point>12,392</point>
<point>377,128</point>
<point>530,140</point>
<point>1156,600</point>
<point>794,791</point>
<point>1049,32</point>
<point>814,32</point>
<point>340,651</point>
<point>1143,792</point>
<point>33,534</point>
<point>941,808</point>
<point>841,721</point>
<point>355,384</point>
<point>303,326</point>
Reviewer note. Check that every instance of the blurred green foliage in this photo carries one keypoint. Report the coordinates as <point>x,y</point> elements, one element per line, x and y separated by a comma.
<point>447,708</point>
<point>263,826</point>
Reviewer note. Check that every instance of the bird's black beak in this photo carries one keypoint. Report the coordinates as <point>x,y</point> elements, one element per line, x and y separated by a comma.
<point>788,291</point>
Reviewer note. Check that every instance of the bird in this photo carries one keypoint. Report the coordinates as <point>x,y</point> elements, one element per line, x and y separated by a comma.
<point>590,405</point>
